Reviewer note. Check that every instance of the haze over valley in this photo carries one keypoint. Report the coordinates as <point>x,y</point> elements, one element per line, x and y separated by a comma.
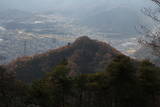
<point>36,28</point>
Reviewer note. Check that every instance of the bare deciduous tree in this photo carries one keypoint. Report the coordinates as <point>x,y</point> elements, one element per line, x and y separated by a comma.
<point>156,1</point>
<point>152,37</point>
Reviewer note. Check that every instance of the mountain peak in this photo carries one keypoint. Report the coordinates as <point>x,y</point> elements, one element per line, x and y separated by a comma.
<point>84,55</point>
<point>83,38</point>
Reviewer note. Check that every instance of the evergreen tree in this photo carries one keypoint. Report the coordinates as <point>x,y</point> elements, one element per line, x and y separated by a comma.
<point>122,82</point>
<point>150,83</point>
<point>60,83</point>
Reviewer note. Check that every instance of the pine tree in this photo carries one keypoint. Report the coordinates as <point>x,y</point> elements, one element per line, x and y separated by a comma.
<point>150,83</point>
<point>122,82</point>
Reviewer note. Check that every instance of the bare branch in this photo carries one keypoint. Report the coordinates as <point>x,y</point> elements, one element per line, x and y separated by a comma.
<point>157,2</point>
<point>152,36</point>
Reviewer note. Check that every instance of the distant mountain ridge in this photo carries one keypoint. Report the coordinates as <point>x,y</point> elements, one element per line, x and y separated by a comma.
<point>122,20</point>
<point>147,53</point>
<point>84,55</point>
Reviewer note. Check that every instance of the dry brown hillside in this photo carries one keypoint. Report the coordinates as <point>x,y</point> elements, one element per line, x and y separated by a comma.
<point>84,55</point>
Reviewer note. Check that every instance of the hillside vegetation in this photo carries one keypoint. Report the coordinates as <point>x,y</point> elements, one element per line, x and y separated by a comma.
<point>121,84</point>
<point>87,73</point>
<point>83,56</point>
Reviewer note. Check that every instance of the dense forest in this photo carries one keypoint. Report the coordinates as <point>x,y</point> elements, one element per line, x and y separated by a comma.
<point>124,83</point>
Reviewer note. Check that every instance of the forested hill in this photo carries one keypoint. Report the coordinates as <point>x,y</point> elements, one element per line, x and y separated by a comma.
<point>72,79</point>
<point>83,56</point>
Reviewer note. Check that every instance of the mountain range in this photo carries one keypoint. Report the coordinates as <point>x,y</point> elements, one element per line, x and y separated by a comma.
<point>120,20</point>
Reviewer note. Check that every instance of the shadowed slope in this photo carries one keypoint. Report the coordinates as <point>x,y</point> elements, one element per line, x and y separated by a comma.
<point>84,56</point>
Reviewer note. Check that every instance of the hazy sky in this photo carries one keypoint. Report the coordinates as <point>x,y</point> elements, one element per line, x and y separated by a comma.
<point>63,4</point>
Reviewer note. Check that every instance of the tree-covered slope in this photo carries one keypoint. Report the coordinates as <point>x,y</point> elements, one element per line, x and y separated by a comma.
<point>84,55</point>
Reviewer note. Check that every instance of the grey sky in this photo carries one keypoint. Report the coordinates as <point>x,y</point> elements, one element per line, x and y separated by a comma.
<point>63,4</point>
